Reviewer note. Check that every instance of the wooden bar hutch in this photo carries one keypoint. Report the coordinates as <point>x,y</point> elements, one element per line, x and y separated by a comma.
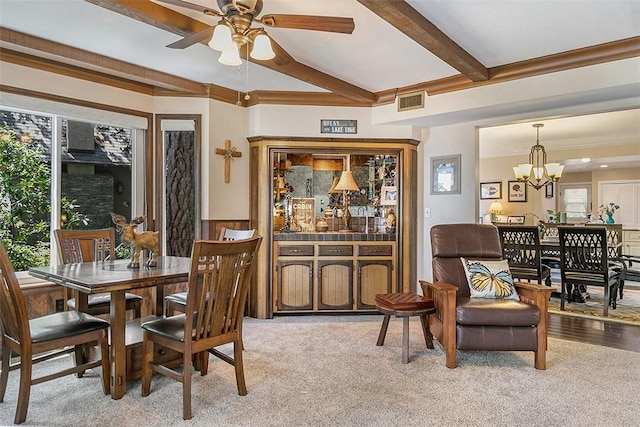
<point>303,269</point>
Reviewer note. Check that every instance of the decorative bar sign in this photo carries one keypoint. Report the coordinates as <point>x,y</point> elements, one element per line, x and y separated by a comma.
<point>338,126</point>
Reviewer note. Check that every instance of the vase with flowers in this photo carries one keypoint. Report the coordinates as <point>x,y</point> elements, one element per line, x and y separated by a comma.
<point>609,210</point>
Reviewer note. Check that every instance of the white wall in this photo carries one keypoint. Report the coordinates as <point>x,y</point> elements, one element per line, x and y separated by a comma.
<point>449,208</point>
<point>220,121</point>
<point>282,120</point>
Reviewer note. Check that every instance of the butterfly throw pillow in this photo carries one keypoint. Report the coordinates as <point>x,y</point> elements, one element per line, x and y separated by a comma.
<point>489,279</point>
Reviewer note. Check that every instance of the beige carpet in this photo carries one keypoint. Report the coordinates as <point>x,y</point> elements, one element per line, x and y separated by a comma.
<point>627,310</point>
<point>327,371</point>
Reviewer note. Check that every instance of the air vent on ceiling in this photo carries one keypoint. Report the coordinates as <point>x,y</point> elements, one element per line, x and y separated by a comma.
<point>411,101</point>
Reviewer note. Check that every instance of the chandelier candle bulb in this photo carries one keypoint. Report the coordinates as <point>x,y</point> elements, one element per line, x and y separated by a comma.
<point>543,172</point>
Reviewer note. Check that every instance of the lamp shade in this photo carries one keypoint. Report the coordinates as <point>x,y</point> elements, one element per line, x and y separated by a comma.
<point>221,39</point>
<point>347,183</point>
<point>495,208</point>
<point>262,48</point>
<point>332,189</point>
<point>554,170</point>
<point>230,56</point>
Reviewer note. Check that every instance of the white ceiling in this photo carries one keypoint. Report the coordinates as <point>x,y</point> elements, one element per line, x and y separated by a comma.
<point>376,57</point>
<point>580,133</point>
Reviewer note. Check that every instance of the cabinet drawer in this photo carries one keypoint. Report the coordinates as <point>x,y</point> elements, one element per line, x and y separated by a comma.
<point>335,250</point>
<point>298,250</point>
<point>377,250</point>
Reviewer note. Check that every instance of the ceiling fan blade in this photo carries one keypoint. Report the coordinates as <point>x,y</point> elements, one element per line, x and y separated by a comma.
<point>192,39</point>
<point>192,6</point>
<point>332,24</point>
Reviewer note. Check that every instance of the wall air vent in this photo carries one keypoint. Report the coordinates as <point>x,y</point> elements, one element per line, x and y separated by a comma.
<point>411,101</point>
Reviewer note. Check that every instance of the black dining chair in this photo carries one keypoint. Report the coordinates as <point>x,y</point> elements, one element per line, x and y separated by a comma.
<point>585,261</point>
<point>630,271</point>
<point>34,340</point>
<point>521,248</point>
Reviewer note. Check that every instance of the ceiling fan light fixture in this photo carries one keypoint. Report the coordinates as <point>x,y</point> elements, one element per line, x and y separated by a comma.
<point>262,49</point>
<point>221,39</point>
<point>230,56</point>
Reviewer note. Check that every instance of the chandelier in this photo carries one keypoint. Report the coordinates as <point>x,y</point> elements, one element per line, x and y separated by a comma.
<point>538,173</point>
<point>235,31</point>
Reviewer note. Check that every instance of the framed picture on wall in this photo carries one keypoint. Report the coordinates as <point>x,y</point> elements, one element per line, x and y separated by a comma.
<point>445,174</point>
<point>517,191</point>
<point>491,190</point>
<point>548,190</point>
<point>388,195</point>
<point>515,219</point>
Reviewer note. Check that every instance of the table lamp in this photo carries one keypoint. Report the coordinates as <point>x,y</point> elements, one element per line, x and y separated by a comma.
<point>346,185</point>
<point>494,209</point>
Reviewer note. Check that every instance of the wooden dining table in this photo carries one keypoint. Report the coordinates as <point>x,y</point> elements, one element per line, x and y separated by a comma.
<point>116,278</point>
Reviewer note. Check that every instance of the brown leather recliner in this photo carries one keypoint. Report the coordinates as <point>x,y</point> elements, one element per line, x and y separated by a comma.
<point>464,323</point>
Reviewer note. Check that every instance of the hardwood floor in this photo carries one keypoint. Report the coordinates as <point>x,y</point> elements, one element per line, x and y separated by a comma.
<point>597,332</point>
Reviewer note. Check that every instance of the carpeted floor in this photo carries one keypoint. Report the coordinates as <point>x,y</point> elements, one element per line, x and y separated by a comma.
<point>627,310</point>
<point>327,371</point>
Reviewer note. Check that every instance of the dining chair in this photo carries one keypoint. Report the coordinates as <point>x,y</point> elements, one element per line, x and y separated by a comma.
<point>221,269</point>
<point>176,303</point>
<point>39,336</point>
<point>87,246</point>
<point>630,271</point>
<point>521,248</point>
<point>614,250</point>
<point>585,261</point>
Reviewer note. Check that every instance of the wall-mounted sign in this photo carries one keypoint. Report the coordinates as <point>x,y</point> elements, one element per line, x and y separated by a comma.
<point>338,126</point>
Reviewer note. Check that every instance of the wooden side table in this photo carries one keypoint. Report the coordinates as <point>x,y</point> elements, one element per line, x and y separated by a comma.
<point>405,305</point>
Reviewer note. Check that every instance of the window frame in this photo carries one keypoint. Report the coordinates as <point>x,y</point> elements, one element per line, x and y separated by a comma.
<point>140,140</point>
<point>562,187</point>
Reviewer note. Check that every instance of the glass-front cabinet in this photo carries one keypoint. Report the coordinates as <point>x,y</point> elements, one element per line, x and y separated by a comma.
<point>335,216</point>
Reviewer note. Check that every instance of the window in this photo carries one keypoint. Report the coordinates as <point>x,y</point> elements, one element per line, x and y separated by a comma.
<point>575,200</point>
<point>63,174</point>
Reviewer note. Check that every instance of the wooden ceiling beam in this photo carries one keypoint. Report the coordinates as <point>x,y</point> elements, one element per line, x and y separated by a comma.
<point>14,41</point>
<point>409,21</point>
<point>166,19</point>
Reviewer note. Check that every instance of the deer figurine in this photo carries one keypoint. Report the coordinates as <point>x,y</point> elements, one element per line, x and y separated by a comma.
<point>145,240</point>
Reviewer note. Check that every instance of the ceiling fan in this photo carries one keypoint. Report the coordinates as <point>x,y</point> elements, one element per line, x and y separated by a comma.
<point>234,30</point>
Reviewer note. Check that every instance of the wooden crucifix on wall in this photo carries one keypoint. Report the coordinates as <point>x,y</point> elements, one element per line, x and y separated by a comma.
<point>229,153</point>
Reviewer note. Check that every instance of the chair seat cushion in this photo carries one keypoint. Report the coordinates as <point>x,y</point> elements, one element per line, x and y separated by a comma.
<point>496,312</point>
<point>169,327</point>
<point>64,324</point>
<point>99,300</point>
<point>530,273</point>
<point>177,298</point>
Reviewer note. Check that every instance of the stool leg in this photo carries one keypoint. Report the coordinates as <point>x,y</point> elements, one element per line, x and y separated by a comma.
<point>405,339</point>
<point>428,338</point>
<point>383,330</point>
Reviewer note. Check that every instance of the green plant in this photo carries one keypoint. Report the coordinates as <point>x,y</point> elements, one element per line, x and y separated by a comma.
<point>123,251</point>
<point>25,202</point>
